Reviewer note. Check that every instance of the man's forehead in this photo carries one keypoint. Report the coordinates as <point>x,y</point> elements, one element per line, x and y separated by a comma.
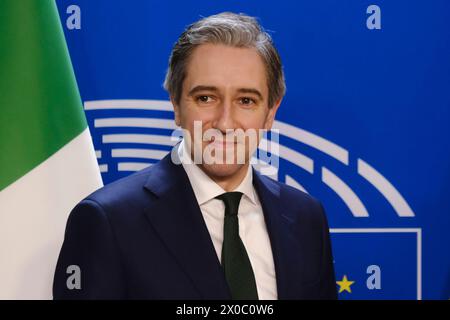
<point>222,67</point>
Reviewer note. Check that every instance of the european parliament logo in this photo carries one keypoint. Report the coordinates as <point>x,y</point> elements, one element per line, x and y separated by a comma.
<point>370,262</point>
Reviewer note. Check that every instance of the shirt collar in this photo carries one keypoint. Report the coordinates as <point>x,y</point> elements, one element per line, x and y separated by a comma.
<point>204,187</point>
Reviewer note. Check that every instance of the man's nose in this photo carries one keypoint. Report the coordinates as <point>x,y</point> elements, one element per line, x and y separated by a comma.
<point>225,117</point>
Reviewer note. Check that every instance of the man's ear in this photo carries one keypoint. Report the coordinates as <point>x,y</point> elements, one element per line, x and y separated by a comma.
<point>176,110</point>
<point>271,115</point>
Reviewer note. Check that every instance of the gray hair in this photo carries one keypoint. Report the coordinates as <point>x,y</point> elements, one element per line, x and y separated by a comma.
<point>236,30</point>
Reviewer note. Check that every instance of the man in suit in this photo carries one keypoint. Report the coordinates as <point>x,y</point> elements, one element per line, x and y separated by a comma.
<point>194,226</point>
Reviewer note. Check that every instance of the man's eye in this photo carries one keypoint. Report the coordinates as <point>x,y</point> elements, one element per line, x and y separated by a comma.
<point>204,99</point>
<point>247,101</point>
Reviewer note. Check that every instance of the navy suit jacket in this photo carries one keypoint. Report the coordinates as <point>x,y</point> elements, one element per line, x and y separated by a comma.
<point>144,237</point>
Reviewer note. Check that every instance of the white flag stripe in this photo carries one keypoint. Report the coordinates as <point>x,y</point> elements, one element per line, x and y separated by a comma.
<point>32,231</point>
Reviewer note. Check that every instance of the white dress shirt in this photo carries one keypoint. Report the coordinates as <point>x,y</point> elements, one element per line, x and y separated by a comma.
<point>252,226</point>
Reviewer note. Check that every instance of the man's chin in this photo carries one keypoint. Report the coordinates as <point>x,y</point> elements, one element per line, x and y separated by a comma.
<point>221,170</point>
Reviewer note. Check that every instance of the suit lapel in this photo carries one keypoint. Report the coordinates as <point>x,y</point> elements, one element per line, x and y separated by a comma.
<point>177,219</point>
<point>286,252</point>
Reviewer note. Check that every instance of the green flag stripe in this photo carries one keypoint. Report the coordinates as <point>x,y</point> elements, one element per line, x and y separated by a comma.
<point>40,105</point>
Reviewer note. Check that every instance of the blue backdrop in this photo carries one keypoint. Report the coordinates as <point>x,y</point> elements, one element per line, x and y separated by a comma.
<point>364,125</point>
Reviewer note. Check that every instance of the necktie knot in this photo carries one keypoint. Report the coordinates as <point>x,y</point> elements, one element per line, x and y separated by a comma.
<point>231,201</point>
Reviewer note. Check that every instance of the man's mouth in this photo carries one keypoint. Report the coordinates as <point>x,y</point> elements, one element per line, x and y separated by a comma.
<point>222,144</point>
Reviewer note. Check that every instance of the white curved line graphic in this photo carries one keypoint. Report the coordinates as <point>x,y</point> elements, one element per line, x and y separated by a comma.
<point>312,140</point>
<point>140,138</point>
<point>103,168</point>
<point>391,194</point>
<point>132,166</point>
<point>293,156</point>
<point>135,122</point>
<point>350,198</point>
<point>264,168</point>
<point>293,183</point>
<point>158,105</point>
<point>138,153</point>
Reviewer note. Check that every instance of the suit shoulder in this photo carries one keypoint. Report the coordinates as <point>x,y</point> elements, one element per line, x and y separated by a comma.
<point>299,197</point>
<point>300,204</point>
<point>289,193</point>
<point>127,189</point>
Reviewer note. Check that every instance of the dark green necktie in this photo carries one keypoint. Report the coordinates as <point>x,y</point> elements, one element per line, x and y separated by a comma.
<point>235,262</point>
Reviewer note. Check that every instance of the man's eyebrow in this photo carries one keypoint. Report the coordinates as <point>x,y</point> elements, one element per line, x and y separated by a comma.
<point>202,88</point>
<point>251,90</point>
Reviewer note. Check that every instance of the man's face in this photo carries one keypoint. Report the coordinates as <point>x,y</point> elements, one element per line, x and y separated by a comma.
<point>225,88</point>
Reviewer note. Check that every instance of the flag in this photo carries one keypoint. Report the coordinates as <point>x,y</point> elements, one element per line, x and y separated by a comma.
<point>47,160</point>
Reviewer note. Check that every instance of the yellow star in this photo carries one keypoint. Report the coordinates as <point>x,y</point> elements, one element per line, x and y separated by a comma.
<point>344,284</point>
